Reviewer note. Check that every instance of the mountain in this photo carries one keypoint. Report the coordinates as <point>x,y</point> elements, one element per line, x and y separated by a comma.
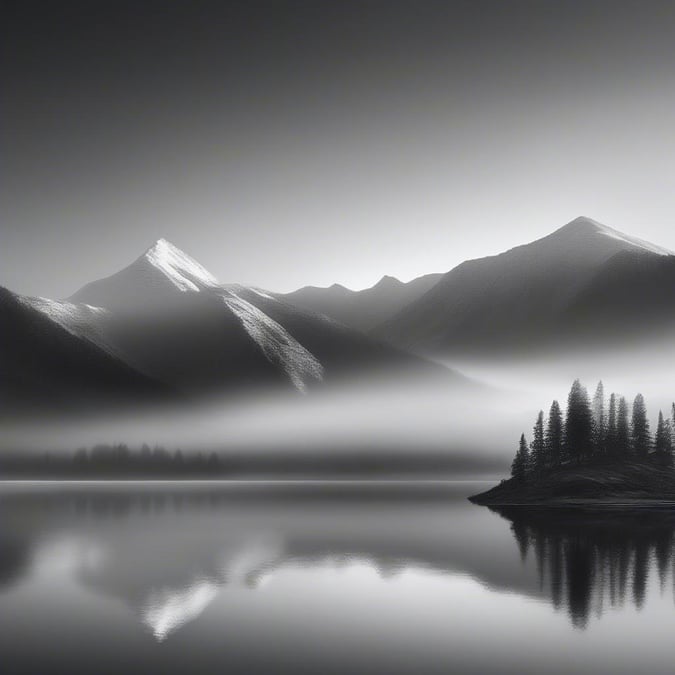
<point>365,309</point>
<point>341,350</point>
<point>167,319</point>
<point>585,282</point>
<point>44,366</point>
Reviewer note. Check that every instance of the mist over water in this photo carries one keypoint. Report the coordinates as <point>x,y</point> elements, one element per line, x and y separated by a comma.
<point>390,417</point>
<point>467,427</point>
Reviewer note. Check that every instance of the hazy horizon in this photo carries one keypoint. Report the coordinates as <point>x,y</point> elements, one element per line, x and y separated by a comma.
<point>284,145</point>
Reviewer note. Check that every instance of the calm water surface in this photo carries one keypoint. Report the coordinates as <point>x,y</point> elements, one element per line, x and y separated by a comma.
<point>191,578</point>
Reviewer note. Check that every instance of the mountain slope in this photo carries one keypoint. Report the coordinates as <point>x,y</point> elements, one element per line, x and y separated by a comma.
<point>44,367</point>
<point>632,295</point>
<point>167,317</point>
<point>549,290</point>
<point>365,309</point>
<point>161,276</point>
<point>340,349</point>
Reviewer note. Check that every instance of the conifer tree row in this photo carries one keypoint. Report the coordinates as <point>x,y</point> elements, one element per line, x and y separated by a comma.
<point>588,434</point>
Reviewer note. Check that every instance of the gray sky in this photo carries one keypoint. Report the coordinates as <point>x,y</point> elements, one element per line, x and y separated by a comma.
<point>283,144</point>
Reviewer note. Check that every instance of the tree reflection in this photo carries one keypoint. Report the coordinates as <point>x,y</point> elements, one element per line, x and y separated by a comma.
<point>591,560</point>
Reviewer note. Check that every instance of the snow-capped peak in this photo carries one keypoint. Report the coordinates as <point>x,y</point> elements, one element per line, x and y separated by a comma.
<point>633,241</point>
<point>183,271</point>
<point>584,225</point>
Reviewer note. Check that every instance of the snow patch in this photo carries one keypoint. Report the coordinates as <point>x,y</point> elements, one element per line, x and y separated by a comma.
<point>184,272</point>
<point>277,344</point>
<point>261,293</point>
<point>81,320</point>
<point>590,225</point>
<point>633,241</point>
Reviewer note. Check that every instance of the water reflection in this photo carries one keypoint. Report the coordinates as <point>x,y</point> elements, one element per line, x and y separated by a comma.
<point>169,609</point>
<point>167,551</point>
<point>236,577</point>
<point>591,560</point>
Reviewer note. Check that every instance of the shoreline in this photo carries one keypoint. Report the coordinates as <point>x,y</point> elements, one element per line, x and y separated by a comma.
<point>629,483</point>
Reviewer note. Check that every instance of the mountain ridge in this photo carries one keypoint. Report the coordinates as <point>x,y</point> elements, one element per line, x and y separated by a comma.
<point>364,309</point>
<point>47,368</point>
<point>516,300</point>
<point>170,321</point>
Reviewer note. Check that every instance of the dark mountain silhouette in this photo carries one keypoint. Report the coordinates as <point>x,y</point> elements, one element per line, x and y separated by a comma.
<point>579,284</point>
<point>632,295</point>
<point>364,309</point>
<point>45,367</point>
<point>168,318</point>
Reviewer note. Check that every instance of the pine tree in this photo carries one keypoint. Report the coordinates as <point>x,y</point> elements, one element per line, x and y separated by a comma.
<point>610,435</point>
<point>622,430</point>
<point>640,429</point>
<point>578,424</point>
<point>663,441</point>
<point>553,441</point>
<point>521,462</point>
<point>599,422</point>
<point>538,450</point>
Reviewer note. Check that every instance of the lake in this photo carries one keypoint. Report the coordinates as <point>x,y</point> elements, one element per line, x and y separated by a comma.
<point>326,578</point>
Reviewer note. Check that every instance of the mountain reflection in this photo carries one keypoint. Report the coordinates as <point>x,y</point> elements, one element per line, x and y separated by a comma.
<point>172,553</point>
<point>592,560</point>
<point>168,609</point>
<point>167,552</point>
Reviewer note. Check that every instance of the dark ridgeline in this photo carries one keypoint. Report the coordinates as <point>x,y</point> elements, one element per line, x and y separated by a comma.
<point>588,436</point>
<point>591,561</point>
<point>362,310</point>
<point>45,367</point>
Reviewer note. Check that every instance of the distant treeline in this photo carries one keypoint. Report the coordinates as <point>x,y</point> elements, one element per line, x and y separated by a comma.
<point>594,431</point>
<point>114,461</point>
<point>119,461</point>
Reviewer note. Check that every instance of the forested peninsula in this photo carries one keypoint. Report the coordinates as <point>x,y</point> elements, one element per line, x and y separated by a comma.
<point>599,452</point>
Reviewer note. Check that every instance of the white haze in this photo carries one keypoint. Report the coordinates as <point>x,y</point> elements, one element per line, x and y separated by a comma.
<point>474,426</point>
<point>388,416</point>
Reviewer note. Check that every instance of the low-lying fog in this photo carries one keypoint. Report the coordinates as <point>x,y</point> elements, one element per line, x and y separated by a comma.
<point>448,429</point>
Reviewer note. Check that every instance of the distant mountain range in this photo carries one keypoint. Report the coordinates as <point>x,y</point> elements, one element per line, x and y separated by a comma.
<point>164,328</point>
<point>363,310</point>
<point>583,284</point>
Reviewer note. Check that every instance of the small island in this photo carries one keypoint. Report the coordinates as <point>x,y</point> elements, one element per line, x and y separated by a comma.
<point>591,457</point>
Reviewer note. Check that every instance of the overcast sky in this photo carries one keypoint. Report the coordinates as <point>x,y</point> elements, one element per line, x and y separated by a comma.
<point>289,143</point>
